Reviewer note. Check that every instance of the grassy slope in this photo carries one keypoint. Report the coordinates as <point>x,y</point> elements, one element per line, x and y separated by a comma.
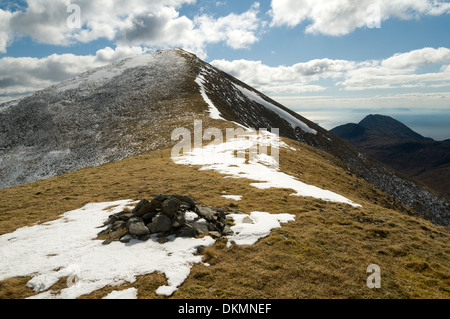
<point>323,254</point>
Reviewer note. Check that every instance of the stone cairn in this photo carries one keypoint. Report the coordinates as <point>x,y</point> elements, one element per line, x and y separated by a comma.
<point>165,215</point>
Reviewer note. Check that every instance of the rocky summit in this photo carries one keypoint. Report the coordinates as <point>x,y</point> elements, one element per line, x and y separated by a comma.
<point>165,215</point>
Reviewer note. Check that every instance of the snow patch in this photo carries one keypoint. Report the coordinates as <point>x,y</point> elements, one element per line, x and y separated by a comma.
<point>130,293</point>
<point>6,106</point>
<point>262,223</point>
<point>65,248</point>
<point>213,111</point>
<point>233,197</point>
<point>108,72</point>
<point>293,121</point>
<point>221,158</point>
<point>51,251</point>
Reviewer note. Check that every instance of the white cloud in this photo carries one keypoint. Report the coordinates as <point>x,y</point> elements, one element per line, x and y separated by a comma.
<point>155,23</point>
<point>5,16</point>
<point>339,17</point>
<point>417,58</point>
<point>166,28</point>
<point>298,78</point>
<point>402,70</point>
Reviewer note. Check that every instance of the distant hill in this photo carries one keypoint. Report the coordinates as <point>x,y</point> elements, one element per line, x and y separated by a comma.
<point>393,143</point>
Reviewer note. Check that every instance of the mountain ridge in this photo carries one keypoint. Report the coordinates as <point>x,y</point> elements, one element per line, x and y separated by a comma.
<point>120,111</point>
<point>323,252</point>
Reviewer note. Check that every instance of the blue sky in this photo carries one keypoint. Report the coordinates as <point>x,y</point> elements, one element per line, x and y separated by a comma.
<point>333,61</point>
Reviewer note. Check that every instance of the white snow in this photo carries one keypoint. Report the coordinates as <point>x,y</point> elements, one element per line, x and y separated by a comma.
<point>130,293</point>
<point>190,216</point>
<point>213,111</point>
<point>96,76</point>
<point>260,226</point>
<point>65,248</point>
<point>108,72</point>
<point>261,168</point>
<point>233,197</point>
<point>293,121</point>
<point>6,106</point>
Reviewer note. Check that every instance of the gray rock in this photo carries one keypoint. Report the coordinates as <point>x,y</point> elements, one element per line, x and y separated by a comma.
<point>149,216</point>
<point>227,231</point>
<point>160,224</point>
<point>141,204</point>
<point>184,207</point>
<point>200,228</point>
<point>186,200</point>
<point>119,224</point>
<point>220,225</point>
<point>148,208</point>
<point>170,207</point>
<point>187,230</point>
<point>125,238</point>
<point>104,232</point>
<point>134,220</point>
<point>116,233</point>
<point>247,220</point>
<point>107,241</point>
<point>206,212</point>
<point>137,228</point>
<point>215,234</point>
<point>222,217</point>
<point>165,214</point>
<point>111,220</point>
<point>179,220</point>
<point>125,216</point>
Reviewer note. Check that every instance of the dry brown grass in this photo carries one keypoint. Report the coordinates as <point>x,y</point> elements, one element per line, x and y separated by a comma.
<point>323,254</point>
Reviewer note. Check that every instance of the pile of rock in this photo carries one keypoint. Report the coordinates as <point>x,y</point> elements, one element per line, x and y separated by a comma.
<point>166,215</point>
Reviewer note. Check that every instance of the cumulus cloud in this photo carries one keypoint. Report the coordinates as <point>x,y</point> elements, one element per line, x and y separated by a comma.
<point>43,21</point>
<point>417,58</point>
<point>298,78</point>
<point>402,70</point>
<point>46,20</point>
<point>154,23</point>
<point>167,28</point>
<point>340,17</point>
<point>5,16</point>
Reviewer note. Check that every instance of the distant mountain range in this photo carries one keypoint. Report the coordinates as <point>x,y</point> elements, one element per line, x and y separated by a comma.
<point>393,143</point>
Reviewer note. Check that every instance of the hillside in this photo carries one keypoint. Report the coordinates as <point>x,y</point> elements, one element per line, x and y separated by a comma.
<point>132,106</point>
<point>323,254</point>
<point>348,211</point>
<point>396,145</point>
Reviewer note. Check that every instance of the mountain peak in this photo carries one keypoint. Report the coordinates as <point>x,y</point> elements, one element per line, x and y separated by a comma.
<point>396,145</point>
<point>389,127</point>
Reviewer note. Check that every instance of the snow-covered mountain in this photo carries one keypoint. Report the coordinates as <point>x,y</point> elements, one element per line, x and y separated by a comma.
<point>131,107</point>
